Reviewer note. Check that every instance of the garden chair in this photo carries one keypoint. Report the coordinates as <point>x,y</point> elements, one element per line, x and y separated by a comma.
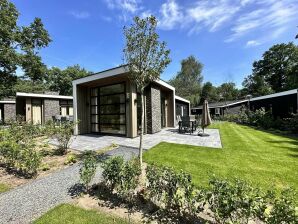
<point>186,125</point>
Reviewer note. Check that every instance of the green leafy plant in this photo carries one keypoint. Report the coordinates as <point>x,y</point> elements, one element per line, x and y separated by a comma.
<point>172,190</point>
<point>70,159</point>
<point>44,167</point>
<point>283,209</point>
<point>88,168</point>
<point>62,133</point>
<point>121,176</point>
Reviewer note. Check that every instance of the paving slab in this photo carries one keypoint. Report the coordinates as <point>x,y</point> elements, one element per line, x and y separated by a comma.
<point>171,135</point>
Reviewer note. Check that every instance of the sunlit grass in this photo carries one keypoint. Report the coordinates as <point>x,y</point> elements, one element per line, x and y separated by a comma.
<point>265,159</point>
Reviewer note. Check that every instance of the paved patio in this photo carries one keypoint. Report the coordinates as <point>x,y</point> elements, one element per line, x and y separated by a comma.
<point>95,142</point>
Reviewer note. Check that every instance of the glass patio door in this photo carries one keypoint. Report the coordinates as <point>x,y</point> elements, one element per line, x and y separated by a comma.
<point>108,109</point>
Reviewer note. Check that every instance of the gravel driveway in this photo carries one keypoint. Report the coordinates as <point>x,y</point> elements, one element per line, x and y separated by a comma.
<point>26,203</point>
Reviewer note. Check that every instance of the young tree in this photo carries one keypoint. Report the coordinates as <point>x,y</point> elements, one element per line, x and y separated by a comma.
<point>146,58</point>
<point>188,81</point>
<point>19,47</point>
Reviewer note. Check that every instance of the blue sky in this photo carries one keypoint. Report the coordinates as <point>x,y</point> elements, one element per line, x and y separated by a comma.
<point>225,35</point>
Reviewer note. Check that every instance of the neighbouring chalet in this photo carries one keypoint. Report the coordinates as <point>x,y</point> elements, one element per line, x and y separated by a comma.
<point>35,107</point>
<point>281,104</point>
<point>109,103</point>
<point>7,110</point>
<point>40,108</point>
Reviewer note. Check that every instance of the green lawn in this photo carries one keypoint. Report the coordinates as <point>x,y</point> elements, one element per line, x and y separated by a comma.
<point>263,158</point>
<point>67,213</point>
<point>4,187</point>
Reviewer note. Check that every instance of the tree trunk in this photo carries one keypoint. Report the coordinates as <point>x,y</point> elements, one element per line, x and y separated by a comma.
<point>142,129</point>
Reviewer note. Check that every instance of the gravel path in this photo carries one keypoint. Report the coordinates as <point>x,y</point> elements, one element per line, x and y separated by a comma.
<point>25,203</point>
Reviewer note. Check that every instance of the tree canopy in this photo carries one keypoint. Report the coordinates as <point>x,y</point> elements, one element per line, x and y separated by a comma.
<point>188,81</point>
<point>275,72</point>
<point>61,80</point>
<point>19,47</point>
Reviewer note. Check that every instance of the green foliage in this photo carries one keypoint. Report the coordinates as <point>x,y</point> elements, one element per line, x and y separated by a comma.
<point>61,80</point>
<point>144,54</point>
<point>235,202</point>
<point>263,119</point>
<point>19,46</point>
<point>283,209</point>
<point>88,168</point>
<point>171,189</point>
<point>228,91</point>
<point>121,176</point>
<point>275,72</point>
<point>209,93</point>
<point>71,159</point>
<point>111,171</point>
<point>62,133</point>
<point>188,81</point>
<point>44,167</point>
<point>21,156</point>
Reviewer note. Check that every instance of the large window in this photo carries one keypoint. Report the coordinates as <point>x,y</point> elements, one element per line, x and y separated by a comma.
<point>108,109</point>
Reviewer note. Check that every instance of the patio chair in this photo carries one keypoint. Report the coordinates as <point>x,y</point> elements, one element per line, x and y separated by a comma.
<point>58,118</point>
<point>63,119</point>
<point>186,125</point>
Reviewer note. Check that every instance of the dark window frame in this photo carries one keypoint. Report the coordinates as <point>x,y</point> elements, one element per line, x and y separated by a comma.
<point>98,124</point>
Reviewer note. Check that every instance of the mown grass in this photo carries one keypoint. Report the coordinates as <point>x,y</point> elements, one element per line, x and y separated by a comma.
<point>265,159</point>
<point>4,187</point>
<point>67,213</point>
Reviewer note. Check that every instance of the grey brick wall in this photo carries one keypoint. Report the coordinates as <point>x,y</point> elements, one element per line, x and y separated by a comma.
<point>9,112</point>
<point>51,108</point>
<point>153,110</point>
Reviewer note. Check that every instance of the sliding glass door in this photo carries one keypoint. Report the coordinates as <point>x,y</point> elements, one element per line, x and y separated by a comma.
<point>108,109</point>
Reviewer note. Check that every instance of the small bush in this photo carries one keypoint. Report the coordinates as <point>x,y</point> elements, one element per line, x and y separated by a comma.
<point>44,167</point>
<point>62,134</point>
<point>88,168</point>
<point>235,201</point>
<point>121,176</point>
<point>20,156</point>
<point>283,209</point>
<point>172,190</point>
<point>111,171</point>
<point>70,159</point>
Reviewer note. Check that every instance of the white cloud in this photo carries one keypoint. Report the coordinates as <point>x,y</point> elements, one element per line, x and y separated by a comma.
<point>252,43</point>
<point>146,13</point>
<point>130,6</point>
<point>171,15</point>
<point>211,14</point>
<point>273,15</point>
<point>80,15</point>
<point>242,18</point>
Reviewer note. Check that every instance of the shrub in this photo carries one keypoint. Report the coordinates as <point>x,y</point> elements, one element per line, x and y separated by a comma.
<point>235,201</point>
<point>62,134</point>
<point>29,160</point>
<point>70,159</point>
<point>172,190</point>
<point>121,176</point>
<point>111,171</point>
<point>283,209</point>
<point>21,156</point>
<point>88,168</point>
